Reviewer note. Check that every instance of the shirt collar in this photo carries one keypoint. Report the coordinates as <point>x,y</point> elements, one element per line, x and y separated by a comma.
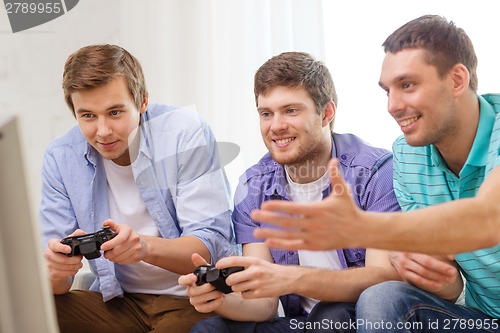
<point>91,154</point>
<point>479,151</point>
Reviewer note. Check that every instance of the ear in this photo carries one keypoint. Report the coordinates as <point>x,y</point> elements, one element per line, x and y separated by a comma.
<point>328,114</point>
<point>460,77</point>
<point>144,105</point>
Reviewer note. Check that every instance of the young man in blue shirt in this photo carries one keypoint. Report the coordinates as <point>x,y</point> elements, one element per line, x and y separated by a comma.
<point>446,176</point>
<point>151,174</point>
<point>296,103</point>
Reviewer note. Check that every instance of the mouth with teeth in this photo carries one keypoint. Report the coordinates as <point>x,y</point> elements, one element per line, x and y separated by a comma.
<point>406,124</point>
<point>282,142</point>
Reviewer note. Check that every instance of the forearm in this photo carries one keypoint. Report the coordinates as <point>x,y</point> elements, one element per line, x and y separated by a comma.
<point>173,254</point>
<point>338,286</point>
<point>440,229</point>
<point>61,286</point>
<point>235,307</point>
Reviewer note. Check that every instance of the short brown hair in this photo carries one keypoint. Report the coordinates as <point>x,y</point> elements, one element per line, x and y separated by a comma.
<point>445,44</point>
<point>297,69</point>
<point>96,65</point>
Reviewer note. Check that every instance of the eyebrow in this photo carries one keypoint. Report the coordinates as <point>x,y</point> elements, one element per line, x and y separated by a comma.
<point>114,106</point>
<point>286,106</point>
<point>399,78</point>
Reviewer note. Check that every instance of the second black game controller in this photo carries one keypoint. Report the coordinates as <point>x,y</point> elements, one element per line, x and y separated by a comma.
<point>88,245</point>
<point>216,277</point>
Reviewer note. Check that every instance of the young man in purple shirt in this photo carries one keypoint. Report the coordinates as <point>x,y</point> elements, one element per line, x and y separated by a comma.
<point>296,103</point>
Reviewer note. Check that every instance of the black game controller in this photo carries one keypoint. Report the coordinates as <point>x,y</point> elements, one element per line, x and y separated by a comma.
<point>216,277</point>
<point>88,245</point>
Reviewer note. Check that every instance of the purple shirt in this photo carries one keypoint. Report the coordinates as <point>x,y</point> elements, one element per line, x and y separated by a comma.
<point>368,170</point>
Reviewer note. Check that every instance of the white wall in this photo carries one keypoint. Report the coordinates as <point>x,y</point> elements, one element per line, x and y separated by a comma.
<point>205,52</point>
<point>354,33</point>
<point>201,52</point>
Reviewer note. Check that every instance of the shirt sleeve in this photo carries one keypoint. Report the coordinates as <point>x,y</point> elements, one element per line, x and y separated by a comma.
<point>57,217</point>
<point>378,194</point>
<point>244,204</point>
<point>202,193</point>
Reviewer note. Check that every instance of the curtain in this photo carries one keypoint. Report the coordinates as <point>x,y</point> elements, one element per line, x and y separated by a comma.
<point>200,53</point>
<point>206,52</point>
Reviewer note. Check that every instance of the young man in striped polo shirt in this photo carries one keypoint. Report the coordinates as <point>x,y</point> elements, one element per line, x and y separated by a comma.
<point>448,158</point>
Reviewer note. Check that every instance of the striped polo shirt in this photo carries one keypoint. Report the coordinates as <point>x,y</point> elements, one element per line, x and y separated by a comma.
<point>422,178</point>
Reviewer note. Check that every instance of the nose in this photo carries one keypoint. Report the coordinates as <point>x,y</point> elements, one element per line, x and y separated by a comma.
<point>394,102</point>
<point>103,128</point>
<point>278,123</point>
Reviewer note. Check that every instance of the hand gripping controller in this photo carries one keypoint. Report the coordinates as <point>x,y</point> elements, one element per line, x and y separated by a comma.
<point>216,277</point>
<point>88,245</point>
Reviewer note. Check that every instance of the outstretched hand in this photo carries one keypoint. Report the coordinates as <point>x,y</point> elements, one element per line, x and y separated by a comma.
<point>325,225</point>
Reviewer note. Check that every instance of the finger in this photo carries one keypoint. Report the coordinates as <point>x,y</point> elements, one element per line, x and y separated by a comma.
<point>68,267</point>
<point>292,244</point>
<point>237,261</point>
<point>121,253</point>
<point>56,246</point>
<point>205,292</point>
<point>277,219</point>
<point>111,224</point>
<point>244,287</point>
<point>451,257</point>
<point>208,304</point>
<point>123,235</point>
<point>410,267</point>
<point>61,259</point>
<point>62,266</point>
<point>423,282</point>
<point>129,256</point>
<point>435,265</point>
<point>284,208</point>
<point>78,232</point>
<point>187,280</point>
<point>198,260</point>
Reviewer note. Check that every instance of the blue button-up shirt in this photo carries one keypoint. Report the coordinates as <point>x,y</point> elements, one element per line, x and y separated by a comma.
<point>178,175</point>
<point>368,170</point>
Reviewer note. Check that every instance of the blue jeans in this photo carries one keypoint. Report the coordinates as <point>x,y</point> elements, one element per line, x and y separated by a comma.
<point>324,317</point>
<point>395,306</point>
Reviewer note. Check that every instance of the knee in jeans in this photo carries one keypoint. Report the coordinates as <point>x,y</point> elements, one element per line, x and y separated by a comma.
<point>210,325</point>
<point>332,311</point>
<point>379,294</point>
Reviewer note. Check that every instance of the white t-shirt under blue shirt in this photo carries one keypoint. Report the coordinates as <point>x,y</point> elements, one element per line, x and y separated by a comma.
<point>127,207</point>
<point>311,192</point>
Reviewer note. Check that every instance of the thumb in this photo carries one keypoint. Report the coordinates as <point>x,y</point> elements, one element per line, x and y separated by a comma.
<point>338,185</point>
<point>111,224</point>
<point>78,232</point>
<point>198,260</point>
